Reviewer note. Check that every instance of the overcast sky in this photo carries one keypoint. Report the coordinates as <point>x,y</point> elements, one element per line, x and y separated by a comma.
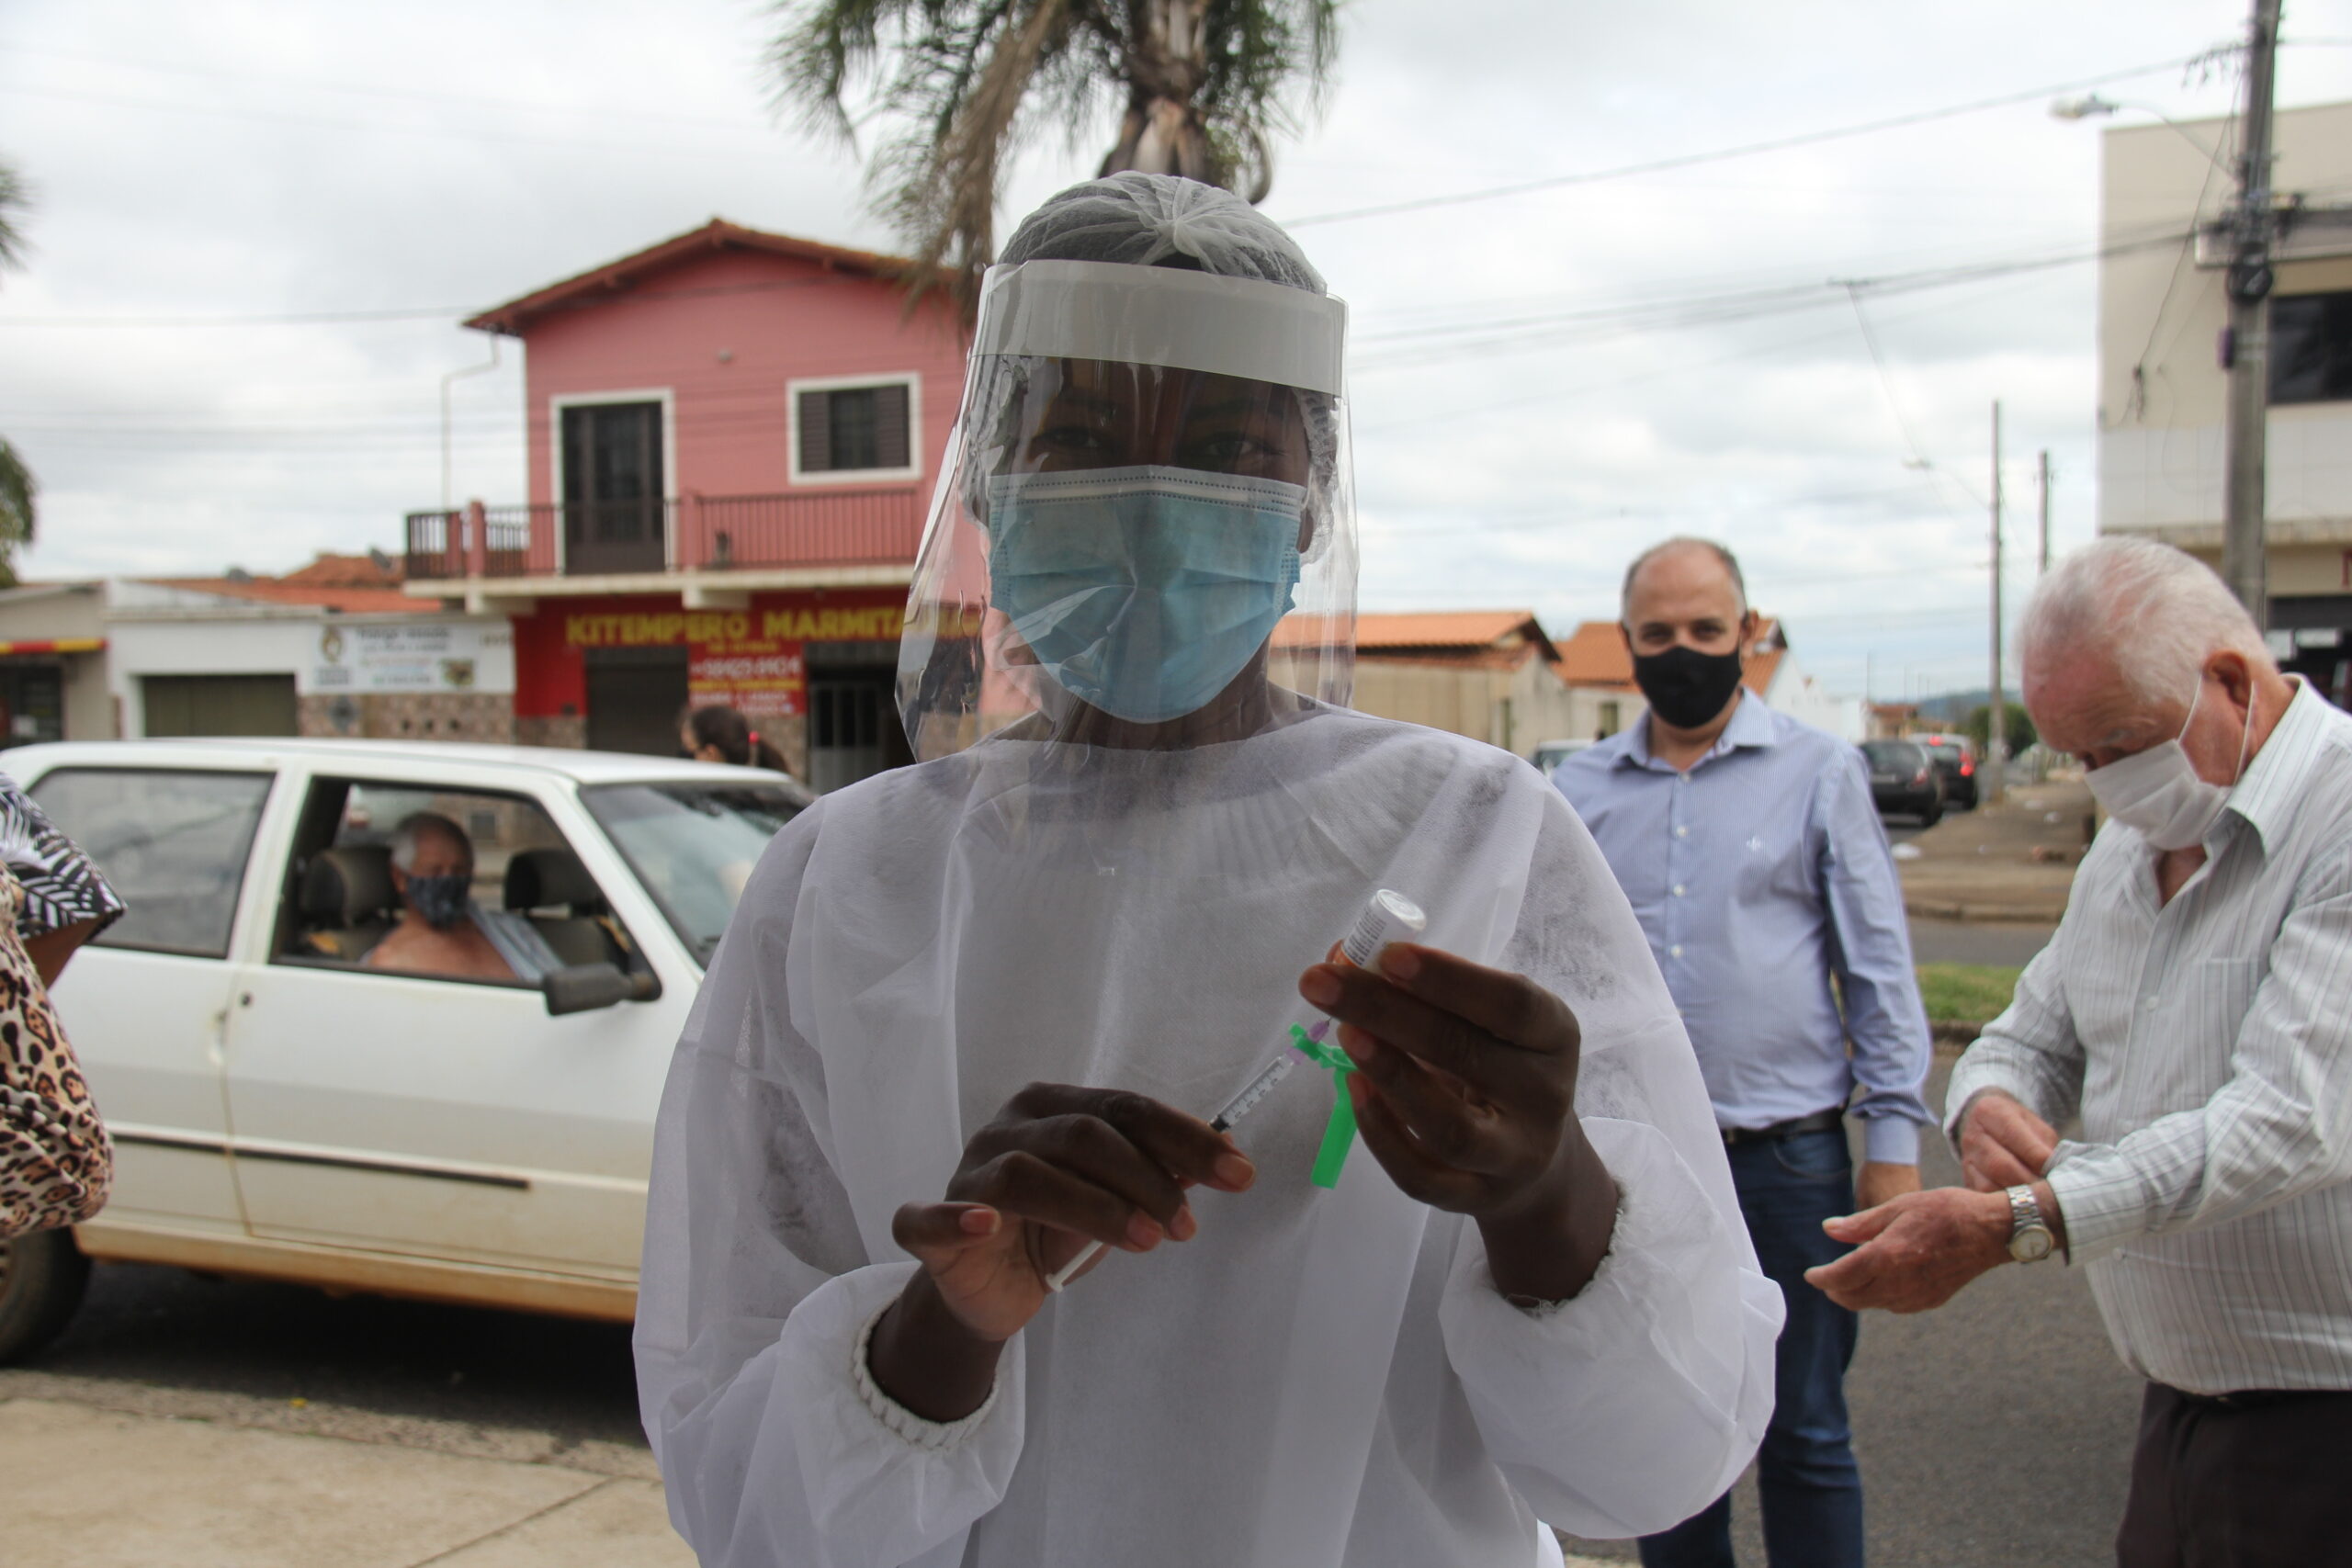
<point>1542,382</point>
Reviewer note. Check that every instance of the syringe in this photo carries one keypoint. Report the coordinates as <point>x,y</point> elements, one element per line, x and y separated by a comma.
<point>1238,1107</point>
<point>1388,916</point>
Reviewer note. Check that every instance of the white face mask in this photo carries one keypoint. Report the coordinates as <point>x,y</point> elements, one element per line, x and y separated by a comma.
<point>2158,791</point>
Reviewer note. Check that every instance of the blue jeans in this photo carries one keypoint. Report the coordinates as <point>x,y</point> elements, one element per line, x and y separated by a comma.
<point>1807,1478</point>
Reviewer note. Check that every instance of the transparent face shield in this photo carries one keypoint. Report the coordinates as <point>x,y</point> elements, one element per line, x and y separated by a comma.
<point>1144,534</point>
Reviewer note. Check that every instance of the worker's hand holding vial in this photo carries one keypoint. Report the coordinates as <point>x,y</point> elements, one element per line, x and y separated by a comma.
<point>1464,1091</point>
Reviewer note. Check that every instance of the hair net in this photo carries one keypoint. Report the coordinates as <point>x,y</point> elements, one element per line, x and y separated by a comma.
<point>1144,219</point>
<point>1152,293</point>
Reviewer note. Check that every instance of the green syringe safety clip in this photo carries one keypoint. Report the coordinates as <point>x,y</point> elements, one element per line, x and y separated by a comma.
<point>1340,1132</point>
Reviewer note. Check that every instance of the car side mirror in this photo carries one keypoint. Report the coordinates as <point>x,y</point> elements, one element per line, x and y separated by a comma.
<point>584,987</point>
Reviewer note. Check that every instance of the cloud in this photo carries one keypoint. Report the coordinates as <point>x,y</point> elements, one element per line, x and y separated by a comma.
<point>1545,383</point>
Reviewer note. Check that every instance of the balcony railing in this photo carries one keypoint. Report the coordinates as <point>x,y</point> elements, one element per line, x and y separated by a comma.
<point>695,533</point>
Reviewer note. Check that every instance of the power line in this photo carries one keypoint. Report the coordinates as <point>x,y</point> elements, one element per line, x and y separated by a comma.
<point>357,89</point>
<point>406,313</point>
<point>1753,149</point>
<point>418,127</point>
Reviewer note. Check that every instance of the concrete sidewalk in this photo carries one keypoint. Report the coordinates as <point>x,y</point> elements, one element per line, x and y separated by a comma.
<point>96,1488</point>
<point>90,1487</point>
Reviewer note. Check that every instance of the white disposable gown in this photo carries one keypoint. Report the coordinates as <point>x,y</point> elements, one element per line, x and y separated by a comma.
<point>1319,1378</point>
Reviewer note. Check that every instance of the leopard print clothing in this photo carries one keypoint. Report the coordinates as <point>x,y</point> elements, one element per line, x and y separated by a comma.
<point>62,888</point>
<point>55,1159</point>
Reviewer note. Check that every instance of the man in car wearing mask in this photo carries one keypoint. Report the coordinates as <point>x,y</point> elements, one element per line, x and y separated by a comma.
<point>1757,866</point>
<point>441,930</point>
<point>2195,1010</point>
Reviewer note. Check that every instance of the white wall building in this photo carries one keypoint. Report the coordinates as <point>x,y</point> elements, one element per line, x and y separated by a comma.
<point>2162,386</point>
<point>189,660</point>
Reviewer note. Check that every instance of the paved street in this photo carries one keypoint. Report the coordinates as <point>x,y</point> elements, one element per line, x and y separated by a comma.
<point>1993,1432</point>
<point>1976,941</point>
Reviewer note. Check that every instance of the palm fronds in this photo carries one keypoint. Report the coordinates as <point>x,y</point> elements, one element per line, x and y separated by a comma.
<point>15,199</point>
<point>965,84</point>
<point>17,489</point>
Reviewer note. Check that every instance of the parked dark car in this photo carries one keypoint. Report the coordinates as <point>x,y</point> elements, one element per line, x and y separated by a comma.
<point>1955,757</point>
<point>1903,781</point>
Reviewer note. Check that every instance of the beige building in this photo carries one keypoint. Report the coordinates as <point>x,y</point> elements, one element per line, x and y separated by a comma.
<point>1492,675</point>
<point>52,663</point>
<point>2161,310</point>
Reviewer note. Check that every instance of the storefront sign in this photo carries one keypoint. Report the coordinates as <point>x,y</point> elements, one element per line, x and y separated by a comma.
<point>667,629</point>
<point>405,656</point>
<point>758,677</point>
<point>751,660</point>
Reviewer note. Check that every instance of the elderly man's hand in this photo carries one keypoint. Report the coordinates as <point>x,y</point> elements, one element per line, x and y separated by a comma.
<point>1465,1092</point>
<point>1915,1254</point>
<point>2003,1144</point>
<point>1881,1181</point>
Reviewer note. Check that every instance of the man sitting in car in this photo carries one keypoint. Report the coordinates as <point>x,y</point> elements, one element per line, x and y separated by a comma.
<point>441,930</point>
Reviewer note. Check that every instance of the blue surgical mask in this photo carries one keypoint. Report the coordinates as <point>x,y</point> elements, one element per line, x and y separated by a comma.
<point>1143,591</point>
<point>442,900</point>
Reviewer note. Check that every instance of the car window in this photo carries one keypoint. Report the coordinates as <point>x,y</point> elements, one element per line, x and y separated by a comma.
<point>173,842</point>
<point>1891,753</point>
<point>498,827</point>
<point>529,908</point>
<point>694,845</point>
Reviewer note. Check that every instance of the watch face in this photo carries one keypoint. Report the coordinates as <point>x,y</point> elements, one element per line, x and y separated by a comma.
<point>2030,1245</point>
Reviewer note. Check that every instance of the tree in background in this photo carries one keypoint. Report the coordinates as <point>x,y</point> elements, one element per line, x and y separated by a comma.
<point>2021,732</point>
<point>1204,83</point>
<point>17,486</point>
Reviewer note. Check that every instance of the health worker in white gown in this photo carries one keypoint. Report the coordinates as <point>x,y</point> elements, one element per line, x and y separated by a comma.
<point>972,1015</point>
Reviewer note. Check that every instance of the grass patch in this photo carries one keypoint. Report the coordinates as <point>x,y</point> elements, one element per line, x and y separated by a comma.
<point>1966,993</point>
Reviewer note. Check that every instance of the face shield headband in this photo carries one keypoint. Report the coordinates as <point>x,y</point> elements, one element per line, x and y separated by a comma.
<point>1146,495</point>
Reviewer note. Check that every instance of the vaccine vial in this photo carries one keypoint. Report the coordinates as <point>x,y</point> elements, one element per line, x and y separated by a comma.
<point>1388,916</point>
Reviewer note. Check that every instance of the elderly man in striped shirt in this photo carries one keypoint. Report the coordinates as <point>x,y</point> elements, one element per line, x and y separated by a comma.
<point>2195,1010</point>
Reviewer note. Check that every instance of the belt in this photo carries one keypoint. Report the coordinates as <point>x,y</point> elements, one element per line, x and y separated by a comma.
<point>2256,1398</point>
<point>1819,1122</point>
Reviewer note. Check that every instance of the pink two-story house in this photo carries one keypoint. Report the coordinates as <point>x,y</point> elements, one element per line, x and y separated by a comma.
<point>734,436</point>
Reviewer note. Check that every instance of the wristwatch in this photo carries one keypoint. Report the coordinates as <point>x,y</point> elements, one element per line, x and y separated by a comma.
<point>2029,1238</point>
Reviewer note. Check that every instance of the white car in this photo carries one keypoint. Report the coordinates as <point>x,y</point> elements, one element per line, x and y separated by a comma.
<point>281,1110</point>
<point>1548,756</point>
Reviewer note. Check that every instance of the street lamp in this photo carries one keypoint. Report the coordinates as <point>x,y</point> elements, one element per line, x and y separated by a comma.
<point>2092,106</point>
<point>2251,231</point>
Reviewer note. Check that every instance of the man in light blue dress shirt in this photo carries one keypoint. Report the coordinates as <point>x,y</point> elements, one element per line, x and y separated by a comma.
<point>1749,847</point>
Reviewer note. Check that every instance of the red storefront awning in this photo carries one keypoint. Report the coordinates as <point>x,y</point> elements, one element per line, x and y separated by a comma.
<point>55,645</point>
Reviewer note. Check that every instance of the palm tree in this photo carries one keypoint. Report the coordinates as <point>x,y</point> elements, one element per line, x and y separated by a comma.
<point>16,487</point>
<point>1204,85</point>
<point>16,198</point>
<point>16,490</point>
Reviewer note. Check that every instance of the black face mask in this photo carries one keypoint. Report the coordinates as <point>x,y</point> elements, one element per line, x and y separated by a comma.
<point>442,900</point>
<point>1686,687</point>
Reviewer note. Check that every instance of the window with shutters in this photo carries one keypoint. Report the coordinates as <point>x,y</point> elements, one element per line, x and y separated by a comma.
<point>856,430</point>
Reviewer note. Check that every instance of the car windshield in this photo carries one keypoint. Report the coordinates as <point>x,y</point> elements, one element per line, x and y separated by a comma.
<point>1891,753</point>
<point>1948,750</point>
<point>692,845</point>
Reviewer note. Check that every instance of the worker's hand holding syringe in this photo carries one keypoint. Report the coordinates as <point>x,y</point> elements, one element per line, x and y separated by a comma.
<point>1060,1168</point>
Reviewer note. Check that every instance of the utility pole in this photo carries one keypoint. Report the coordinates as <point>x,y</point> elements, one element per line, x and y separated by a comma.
<point>2246,344</point>
<point>2044,472</point>
<point>1996,728</point>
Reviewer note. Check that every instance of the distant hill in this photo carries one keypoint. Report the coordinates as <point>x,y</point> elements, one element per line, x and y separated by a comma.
<point>1953,707</point>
